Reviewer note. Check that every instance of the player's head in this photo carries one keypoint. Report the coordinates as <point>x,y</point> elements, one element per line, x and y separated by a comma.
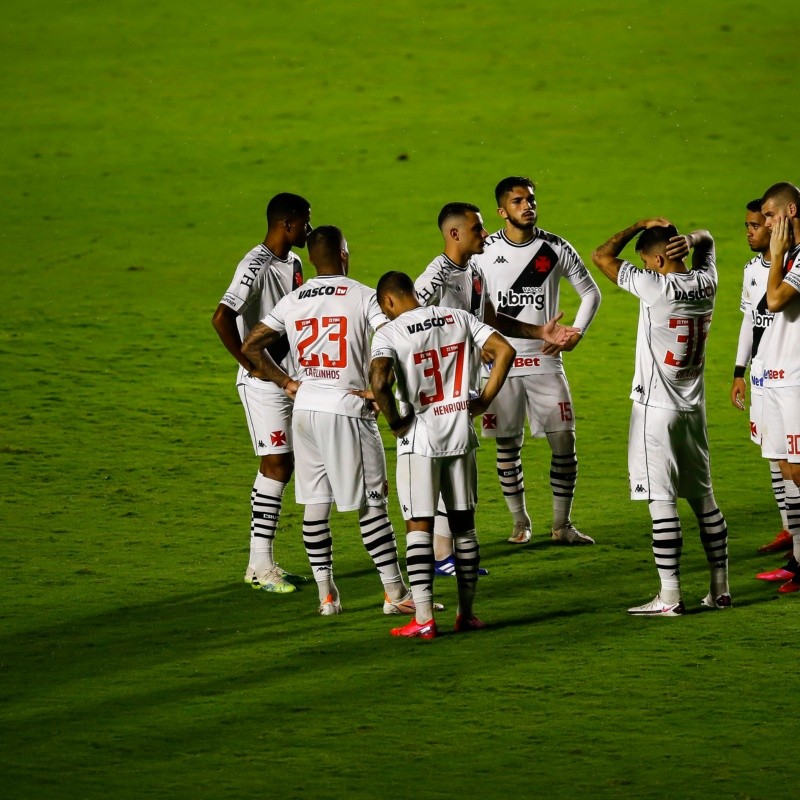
<point>757,231</point>
<point>395,293</point>
<point>652,246</point>
<point>516,201</point>
<point>461,225</point>
<point>292,213</point>
<point>327,250</point>
<point>780,200</point>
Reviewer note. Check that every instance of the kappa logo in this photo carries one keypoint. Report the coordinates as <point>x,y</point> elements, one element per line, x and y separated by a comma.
<point>489,422</point>
<point>639,488</point>
<point>753,282</point>
<point>277,438</point>
<point>501,260</point>
<point>405,507</point>
<point>261,443</point>
<point>404,440</point>
<point>374,495</point>
<point>639,390</point>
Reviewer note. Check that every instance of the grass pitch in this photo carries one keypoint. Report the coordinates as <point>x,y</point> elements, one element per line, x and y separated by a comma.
<point>141,142</point>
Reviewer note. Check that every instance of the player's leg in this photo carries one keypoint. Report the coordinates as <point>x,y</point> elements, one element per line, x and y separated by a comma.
<point>418,492</point>
<point>783,540</point>
<point>653,477</point>
<point>443,543</point>
<point>268,415</point>
<point>313,490</point>
<point>793,524</point>
<point>504,421</point>
<point>460,494</point>
<point>714,538</point>
<point>319,547</point>
<point>781,423</point>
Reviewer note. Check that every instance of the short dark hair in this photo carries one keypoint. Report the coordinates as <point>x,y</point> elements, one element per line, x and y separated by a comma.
<point>286,206</point>
<point>455,210</point>
<point>394,282</point>
<point>325,245</point>
<point>782,191</point>
<point>754,206</point>
<point>652,238</point>
<point>507,184</point>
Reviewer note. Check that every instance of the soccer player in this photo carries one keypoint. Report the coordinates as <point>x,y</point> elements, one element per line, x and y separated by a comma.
<point>523,266</point>
<point>264,275</point>
<point>454,280</point>
<point>435,354</point>
<point>756,320</point>
<point>338,449</point>
<point>780,356</point>
<point>668,441</point>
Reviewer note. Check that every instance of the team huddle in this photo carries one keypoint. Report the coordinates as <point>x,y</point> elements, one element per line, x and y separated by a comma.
<point>479,334</point>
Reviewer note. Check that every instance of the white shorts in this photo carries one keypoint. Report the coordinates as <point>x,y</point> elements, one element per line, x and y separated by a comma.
<point>780,424</point>
<point>338,458</point>
<point>545,398</point>
<point>756,404</point>
<point>420,479</point>
<point>269,417</point>
<point>668,454</point>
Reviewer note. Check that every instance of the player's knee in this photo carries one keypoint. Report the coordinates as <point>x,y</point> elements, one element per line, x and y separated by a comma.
<point>561,442</point>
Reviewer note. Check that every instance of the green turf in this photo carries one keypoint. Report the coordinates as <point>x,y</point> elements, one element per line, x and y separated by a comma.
<point>140,144</point>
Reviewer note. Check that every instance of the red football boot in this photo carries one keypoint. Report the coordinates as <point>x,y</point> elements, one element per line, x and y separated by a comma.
<point>781,574</point>
<point>464,624</point>
<point>417,630</point>
<point>783,541</point>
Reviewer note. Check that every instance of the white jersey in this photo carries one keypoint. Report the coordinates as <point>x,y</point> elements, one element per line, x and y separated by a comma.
<point>328,323</point>
<point>436,354</point>
<point>754,303</point>
<point>780,348</point>
<point>444,283</point>
<point>260,280</point>
<point>523,282</point>
<point>674,317</point>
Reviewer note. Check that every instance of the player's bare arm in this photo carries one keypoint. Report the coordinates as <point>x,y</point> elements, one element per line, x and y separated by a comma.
<point>500,353</point>
<point>738,392</point>
<point>254,349</point>
<point>779,293</point>
<point>381,379</point>
<point>554,335</point>
<point>698,242</point>
<point>606,257</point>
<point>224,322</point>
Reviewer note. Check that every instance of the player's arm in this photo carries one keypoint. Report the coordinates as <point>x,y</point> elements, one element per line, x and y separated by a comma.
<point>606,257</point>
<point>743,351</point>
<point>701,243</point>
<point>254,348</point>
<point>779,292</point>
<point>224,322</point>
<point>381,379</point>
<point>498,351</point>
<point>589,294</point>
<point>551,332</point>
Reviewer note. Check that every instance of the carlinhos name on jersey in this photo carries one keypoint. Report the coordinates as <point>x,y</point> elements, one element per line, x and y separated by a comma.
<point>433,322</point>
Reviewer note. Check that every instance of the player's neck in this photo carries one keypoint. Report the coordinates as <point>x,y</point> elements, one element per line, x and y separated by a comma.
<point>277,245</point>
<point>518,235</point>
<point>458,258</point>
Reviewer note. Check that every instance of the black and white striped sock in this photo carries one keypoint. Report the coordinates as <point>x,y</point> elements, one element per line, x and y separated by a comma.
<point>512,481</point>
<point>378,537</point>
<point>468,559</point>
<point>714,538</point>
<point>265,511</point>
<point>419,563</point>
<point>667,546</point>
<point>319,546</point>
<point>779,490</point>
<point>563,477</point>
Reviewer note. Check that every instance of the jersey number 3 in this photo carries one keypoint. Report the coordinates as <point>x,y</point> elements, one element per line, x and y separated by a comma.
<point>693,335</point>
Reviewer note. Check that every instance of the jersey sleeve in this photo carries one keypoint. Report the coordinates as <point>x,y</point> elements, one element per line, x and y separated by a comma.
<point>793,279</point>
<point>641,283</point>
<point>382,346</point>
<point>375,317</point>
<point>428,285</point>
<point>479,331</point>
<point>276,319</point>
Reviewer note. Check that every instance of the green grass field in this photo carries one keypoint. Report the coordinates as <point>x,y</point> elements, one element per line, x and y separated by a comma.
<point>140,144</point>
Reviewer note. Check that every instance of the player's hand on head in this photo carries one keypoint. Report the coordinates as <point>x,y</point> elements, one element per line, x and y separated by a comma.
<point>678,247</point>
<point>780,237</point>
<point>656,222</point>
